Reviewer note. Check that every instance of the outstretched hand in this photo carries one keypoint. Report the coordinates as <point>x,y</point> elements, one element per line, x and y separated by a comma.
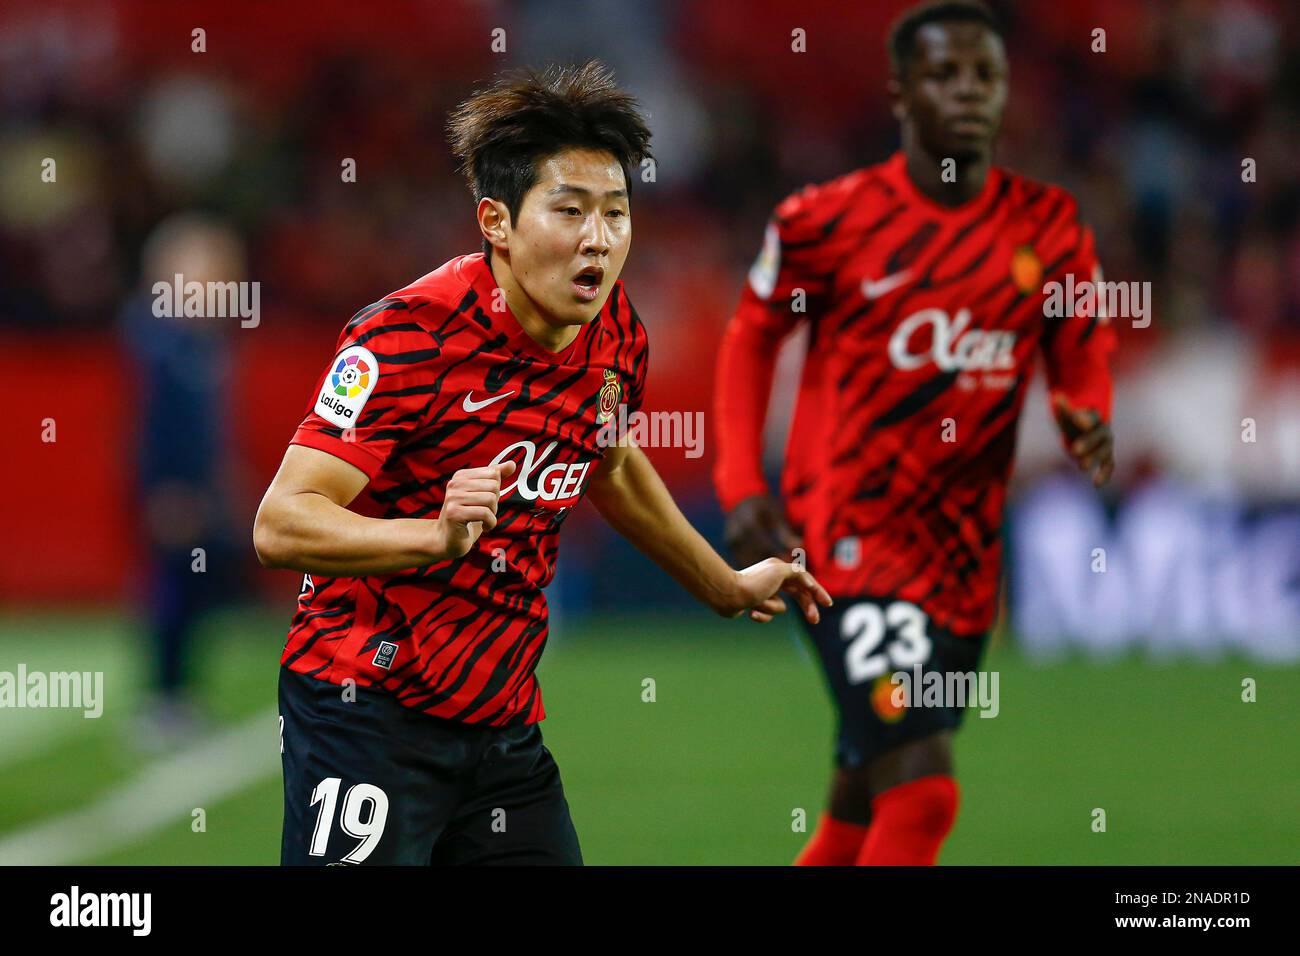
<point>760,586</point>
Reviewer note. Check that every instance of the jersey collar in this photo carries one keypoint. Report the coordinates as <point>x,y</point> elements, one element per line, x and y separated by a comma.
<point>897,166</point>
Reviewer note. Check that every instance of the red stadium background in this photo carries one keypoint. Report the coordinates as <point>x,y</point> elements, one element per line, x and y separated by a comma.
<point>1148,134</point>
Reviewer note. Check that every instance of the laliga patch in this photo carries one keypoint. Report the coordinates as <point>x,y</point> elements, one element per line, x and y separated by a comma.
<point>347,386</point>
<point>384,656</point>
<point>763,273</point>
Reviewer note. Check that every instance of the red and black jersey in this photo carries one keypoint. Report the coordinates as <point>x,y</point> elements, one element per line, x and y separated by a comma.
<point>925,322</point>
<point>437,377</point>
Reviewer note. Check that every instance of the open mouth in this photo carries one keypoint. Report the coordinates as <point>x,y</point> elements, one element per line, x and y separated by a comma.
<point>587,282</point>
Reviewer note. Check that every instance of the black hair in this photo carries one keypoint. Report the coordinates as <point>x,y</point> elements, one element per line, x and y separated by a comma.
<point>501,132</point>
<point>902,35</point>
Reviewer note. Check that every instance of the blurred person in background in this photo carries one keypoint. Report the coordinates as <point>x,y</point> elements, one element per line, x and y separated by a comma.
<point>924,281</point>
<point>181,367</point>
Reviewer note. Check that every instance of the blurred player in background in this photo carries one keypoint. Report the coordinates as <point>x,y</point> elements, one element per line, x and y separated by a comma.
<point>922,281</point>
<point>183,472</point>
<point>460,421</point>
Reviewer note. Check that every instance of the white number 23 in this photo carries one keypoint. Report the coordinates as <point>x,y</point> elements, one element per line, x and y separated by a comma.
<point>866,624</point>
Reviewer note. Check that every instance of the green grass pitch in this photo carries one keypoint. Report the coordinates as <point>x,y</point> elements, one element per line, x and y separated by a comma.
<point>736,742</point>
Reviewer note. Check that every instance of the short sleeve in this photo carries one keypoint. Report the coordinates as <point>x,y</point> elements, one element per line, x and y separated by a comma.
<point>373,394</point>
<point>638,359</point>
<point>790,275</point>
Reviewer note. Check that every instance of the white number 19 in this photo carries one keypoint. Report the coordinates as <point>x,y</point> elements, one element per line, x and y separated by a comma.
<point>368,831</point>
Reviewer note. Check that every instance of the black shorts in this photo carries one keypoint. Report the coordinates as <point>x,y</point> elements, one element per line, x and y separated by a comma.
<point>863,643</point>
<point>370,781</point>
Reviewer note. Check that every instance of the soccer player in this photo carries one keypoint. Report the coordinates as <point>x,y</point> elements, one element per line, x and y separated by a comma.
<point>460,420</point>
<point>922,283</point>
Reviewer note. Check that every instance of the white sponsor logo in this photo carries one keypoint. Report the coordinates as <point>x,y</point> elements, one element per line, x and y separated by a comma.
<point>75,908</point>
<point>347,386</point>
<point>472,406</point>
<point>952,347</point>
<point>557,482</point>
<point>874,290</point>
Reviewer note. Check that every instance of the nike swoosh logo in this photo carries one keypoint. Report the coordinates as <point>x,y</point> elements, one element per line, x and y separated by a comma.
<point>472,406</point>
<point>874,290</point>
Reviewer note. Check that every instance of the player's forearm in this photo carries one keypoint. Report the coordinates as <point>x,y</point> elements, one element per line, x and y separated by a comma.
<point>637,504</point>
<point>308,532</point>
<point>1084,386</point>
<point>746,365</point>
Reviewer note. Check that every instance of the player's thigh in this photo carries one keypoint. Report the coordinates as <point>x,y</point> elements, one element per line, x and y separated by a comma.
<point>879,656</point>
<point>354,791</point>
<point>517,813</point>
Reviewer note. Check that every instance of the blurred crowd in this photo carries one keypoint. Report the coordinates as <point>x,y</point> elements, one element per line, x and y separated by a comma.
<point>138,133</point>
<point>1151,134</point>
<point>143,138</point>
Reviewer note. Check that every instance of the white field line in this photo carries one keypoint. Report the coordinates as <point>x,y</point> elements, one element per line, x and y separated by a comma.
<point>166,790</point>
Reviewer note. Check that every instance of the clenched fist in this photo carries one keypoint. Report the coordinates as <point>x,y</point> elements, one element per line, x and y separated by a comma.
<point>470,505</point>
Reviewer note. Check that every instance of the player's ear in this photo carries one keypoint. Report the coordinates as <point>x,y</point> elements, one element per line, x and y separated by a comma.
<point>494,223</point>
<point>895,90</point>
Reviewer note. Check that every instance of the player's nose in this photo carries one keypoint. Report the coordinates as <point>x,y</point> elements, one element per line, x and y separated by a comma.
<point>596,237</point>
<point>969,85</point>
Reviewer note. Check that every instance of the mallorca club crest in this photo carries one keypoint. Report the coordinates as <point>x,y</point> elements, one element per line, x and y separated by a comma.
<point>883,702</point>
<point>1026,270</point>
<point>610,393</point>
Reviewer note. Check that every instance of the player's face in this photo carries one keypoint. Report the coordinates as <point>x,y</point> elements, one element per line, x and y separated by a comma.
<point>572,236</point>
<point>954,89</point>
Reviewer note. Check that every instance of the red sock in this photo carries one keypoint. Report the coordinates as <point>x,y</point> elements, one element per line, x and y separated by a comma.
<point>833,843</point>
<point>909,822</point>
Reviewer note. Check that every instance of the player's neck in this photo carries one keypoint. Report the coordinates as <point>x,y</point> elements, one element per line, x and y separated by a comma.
<point>959,183</point>
<point>549,335</point>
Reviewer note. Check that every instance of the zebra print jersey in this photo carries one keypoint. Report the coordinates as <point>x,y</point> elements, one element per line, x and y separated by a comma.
<point>925,323</point>
<point>437,377</point>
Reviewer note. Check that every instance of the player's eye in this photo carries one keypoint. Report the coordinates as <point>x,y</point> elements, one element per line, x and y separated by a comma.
<point>616,213</point>
<point>571,211</point>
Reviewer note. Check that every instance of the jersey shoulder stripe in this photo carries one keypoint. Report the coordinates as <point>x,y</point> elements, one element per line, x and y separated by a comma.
<point>812,214</point>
